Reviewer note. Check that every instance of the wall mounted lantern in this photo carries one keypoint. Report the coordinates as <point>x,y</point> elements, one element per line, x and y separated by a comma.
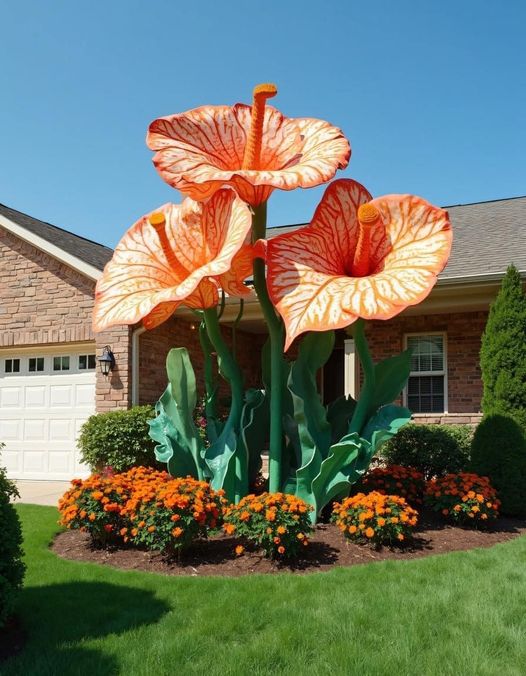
<point>107,361</point>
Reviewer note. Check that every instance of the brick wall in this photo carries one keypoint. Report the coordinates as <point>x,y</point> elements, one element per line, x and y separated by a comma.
<point>46,302</point>
<point>154,346</point>
<point>464,332</point>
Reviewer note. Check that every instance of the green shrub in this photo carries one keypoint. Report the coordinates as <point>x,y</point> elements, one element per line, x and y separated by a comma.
<point>118,439</point>
<point>434,450</point>
<point>503,351</point>
<point>11,566</point>
<point>499,452</point>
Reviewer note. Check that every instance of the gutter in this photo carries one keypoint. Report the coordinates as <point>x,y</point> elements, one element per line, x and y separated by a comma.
<point>475,279</point>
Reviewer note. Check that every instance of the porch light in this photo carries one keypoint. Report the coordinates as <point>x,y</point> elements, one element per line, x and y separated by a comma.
<point>106,361</point>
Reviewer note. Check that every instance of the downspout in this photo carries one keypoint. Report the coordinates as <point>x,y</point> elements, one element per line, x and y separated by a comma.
<point>135,352</point>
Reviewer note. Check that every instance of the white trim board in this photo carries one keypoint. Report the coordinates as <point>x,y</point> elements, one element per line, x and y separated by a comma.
<point>55,251</point>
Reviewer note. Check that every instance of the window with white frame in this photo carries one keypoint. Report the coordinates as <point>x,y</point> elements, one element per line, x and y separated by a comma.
<point>426,387</point>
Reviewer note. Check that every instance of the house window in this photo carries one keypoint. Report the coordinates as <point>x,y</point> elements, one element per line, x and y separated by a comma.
<point>426,387</point>
<point>36,364</point>
<point>87,362</point>
<point>60,363</point>
<point>11,365</point>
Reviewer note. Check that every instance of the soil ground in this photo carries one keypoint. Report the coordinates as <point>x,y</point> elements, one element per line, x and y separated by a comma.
<point>327,549</point>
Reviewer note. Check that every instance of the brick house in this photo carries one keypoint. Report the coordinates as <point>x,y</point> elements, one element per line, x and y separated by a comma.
<point>50,382</point>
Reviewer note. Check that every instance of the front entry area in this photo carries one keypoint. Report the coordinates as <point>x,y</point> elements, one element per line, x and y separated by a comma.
<point>46,394</point>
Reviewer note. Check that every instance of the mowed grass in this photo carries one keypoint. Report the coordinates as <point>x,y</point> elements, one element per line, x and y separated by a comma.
<point>461,613</point>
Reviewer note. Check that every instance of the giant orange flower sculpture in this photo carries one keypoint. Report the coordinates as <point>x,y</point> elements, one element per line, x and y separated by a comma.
<point>253,149</point>
<point>359,257</point>
<point>176,255</point>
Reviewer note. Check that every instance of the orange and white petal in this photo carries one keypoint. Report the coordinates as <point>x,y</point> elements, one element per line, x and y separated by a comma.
<point>309,281</point>
<point>314,304</point>
<point>159,315</point>
<point>202,150</point>
<point>207,236</point>
<point>232,281</point>
<point>204,296</point>
<point>149,269</point>
<point>419,234</point>
<point>139,270</point>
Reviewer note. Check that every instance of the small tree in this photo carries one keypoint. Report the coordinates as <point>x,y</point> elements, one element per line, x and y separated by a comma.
<point>503,351</point>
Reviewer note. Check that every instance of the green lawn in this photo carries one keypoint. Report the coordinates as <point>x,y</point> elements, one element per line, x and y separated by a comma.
<point>462,613</point>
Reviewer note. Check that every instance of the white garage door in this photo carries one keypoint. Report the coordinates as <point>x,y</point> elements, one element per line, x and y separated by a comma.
<point>45,396</point>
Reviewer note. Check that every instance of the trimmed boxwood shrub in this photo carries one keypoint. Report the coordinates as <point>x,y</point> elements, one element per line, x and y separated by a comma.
<point>499,452</point>
<point>434,450</point>
<point>118,439</point>
<point>11,567</point>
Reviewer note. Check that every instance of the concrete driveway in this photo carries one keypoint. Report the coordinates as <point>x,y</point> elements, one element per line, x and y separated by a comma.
<point>41,492</point>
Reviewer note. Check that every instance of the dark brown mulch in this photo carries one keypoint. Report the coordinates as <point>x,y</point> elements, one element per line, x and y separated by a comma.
<point>327,549</point>
<point>12,638</point>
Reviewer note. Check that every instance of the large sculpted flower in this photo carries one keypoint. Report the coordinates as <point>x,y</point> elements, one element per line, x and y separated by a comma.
<point>359,257</point>
<point>179,254</point>
<point>253,149</point>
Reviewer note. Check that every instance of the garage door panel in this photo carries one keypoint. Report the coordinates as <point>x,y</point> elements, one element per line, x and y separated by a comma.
<point>35,461</point>
<point>10,430</point>
<point>41,413</point>
<point>35,429</point>
<point>35,396</point>
<point>60,396</point>
<point>84,395</point>
<point>60,462</point>
<point>61,430</point>
<point>12,461</point>
<point>11,397</point>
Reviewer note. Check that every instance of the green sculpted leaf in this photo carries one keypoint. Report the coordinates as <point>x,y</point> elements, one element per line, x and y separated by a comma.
<point>391,376</point>
<point>314,432</point>
<point>341,468</point>
<point>220,459</point>
<point>254,429</point>
<point>339,413</point>
<point>181,377</point>
<point>182,454</point>
<point>385,423</point>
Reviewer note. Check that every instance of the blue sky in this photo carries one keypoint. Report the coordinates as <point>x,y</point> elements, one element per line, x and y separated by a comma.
<point>431,94</point>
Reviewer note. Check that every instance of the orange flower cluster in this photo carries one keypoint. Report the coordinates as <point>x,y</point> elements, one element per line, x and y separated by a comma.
<point>279,523</point>
<point>171,515</point>
<point>375,517</point>
<point>463,498</point>
<point>406,482</point>
<point>143,507</point>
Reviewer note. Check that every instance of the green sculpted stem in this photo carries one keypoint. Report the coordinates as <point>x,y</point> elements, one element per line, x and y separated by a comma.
<point>276,332</point>
<point>362,409</point>
<point>230,370</point>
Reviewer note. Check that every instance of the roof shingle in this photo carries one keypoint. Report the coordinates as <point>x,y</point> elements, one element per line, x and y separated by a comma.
<point>487,237</point>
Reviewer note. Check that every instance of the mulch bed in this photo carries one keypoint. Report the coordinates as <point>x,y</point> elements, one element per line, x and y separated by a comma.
<point>327,549</point>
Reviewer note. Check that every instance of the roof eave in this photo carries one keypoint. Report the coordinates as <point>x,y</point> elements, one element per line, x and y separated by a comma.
<point>47,247</point>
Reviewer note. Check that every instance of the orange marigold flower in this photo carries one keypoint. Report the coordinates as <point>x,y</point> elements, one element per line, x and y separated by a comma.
<point>281,549</point>
<point>281,530</point>
<point>239,550</point>
<point>151,529</point>
<point>380,521</point>
<point>244,516</point>
<point>177,532</point>
<point>400,536</point>
<point>92,516</point>
<point>369,532</point>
